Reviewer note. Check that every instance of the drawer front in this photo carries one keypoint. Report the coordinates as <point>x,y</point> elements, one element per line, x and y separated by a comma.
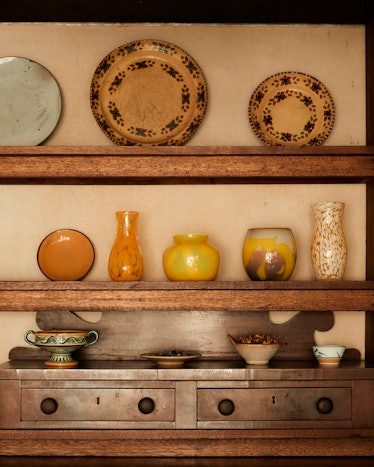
<point>98,404</point>
<point>291,404</point>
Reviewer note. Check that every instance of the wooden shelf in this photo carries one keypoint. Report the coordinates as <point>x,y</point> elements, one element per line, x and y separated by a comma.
<point>186,164</point>
<point>186,444</point>
<point>183,296</point>
<point>197,370</point>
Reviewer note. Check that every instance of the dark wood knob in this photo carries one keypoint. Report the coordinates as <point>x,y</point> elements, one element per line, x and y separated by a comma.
<point>325,405</point>
<point>226,407</point>
<point>48,406</point>
<point>146,405</point>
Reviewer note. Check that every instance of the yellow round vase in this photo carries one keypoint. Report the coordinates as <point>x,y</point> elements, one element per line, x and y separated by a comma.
<point>269,254</point>
<point>191,258</point>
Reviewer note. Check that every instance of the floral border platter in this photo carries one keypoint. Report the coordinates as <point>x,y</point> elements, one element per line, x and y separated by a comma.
<point>30,102</point>
<point>148,92</point>
<point>291,109</point>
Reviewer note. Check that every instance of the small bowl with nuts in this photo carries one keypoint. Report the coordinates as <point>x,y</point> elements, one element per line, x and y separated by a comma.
<point>256,349</point>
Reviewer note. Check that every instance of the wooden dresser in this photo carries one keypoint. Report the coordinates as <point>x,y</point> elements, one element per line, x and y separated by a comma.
<point>211,407</point>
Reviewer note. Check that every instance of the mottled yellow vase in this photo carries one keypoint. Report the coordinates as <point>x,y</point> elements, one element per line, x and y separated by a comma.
<point>191,258</point>
<point>126,260</point>
<point>269,254</point>
<point>329,249</point>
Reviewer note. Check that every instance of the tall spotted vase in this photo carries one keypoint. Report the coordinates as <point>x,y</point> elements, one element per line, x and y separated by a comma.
<point>329,249</point>
<point>126,260</point>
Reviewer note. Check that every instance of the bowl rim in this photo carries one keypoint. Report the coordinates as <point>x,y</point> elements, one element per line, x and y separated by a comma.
<point>258,345</point>
<point>61,331</point>
<point>253,344</point>
<point>329,346</point>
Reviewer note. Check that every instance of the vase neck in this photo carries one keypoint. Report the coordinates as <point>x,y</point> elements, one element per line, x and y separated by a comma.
<point>191,238</point>
<point>126,222</point>
<point>329,211</point>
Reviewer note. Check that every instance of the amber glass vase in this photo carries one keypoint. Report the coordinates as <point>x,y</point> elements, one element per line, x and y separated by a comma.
<point>126,260</point>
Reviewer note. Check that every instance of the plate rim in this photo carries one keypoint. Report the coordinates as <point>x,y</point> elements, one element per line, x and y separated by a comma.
<point>155,357</point>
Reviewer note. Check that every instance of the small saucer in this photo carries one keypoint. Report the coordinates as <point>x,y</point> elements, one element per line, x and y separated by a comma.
<point>172,359</point>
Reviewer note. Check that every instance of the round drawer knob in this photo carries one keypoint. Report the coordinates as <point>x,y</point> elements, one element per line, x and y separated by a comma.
<point>48,406</point>
<point>325,405</point>
<point>146,405</point>
<point>226,407</point>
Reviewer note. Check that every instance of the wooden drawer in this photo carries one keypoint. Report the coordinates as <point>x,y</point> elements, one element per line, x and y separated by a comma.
<point>288,404</point>
<point>132,404</point>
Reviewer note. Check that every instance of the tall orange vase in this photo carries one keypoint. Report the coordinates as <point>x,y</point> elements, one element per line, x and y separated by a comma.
<point>126,260</point>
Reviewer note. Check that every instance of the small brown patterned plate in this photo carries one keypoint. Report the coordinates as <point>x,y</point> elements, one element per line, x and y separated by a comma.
<point>148,92</point>
<point>291,109</point>
<point>171,359</point>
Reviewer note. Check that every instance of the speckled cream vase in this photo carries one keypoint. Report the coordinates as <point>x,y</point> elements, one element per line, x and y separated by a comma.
<point>329,249</point>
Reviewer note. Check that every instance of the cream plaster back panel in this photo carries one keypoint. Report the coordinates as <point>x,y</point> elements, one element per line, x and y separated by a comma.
<point>224,212</point>
<point>235,59</point>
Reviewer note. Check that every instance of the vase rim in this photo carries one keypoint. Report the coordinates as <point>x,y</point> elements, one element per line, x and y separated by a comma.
<point>127,212</point>
<point>332,203</point>
<point>269,228</point>
<point>191,235</point>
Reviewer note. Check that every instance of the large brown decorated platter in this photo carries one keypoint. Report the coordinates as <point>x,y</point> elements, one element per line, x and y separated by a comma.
<point>148,92</point>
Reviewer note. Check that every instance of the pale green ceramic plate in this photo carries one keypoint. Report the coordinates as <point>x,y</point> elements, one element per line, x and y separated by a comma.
<point>30,102</point>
